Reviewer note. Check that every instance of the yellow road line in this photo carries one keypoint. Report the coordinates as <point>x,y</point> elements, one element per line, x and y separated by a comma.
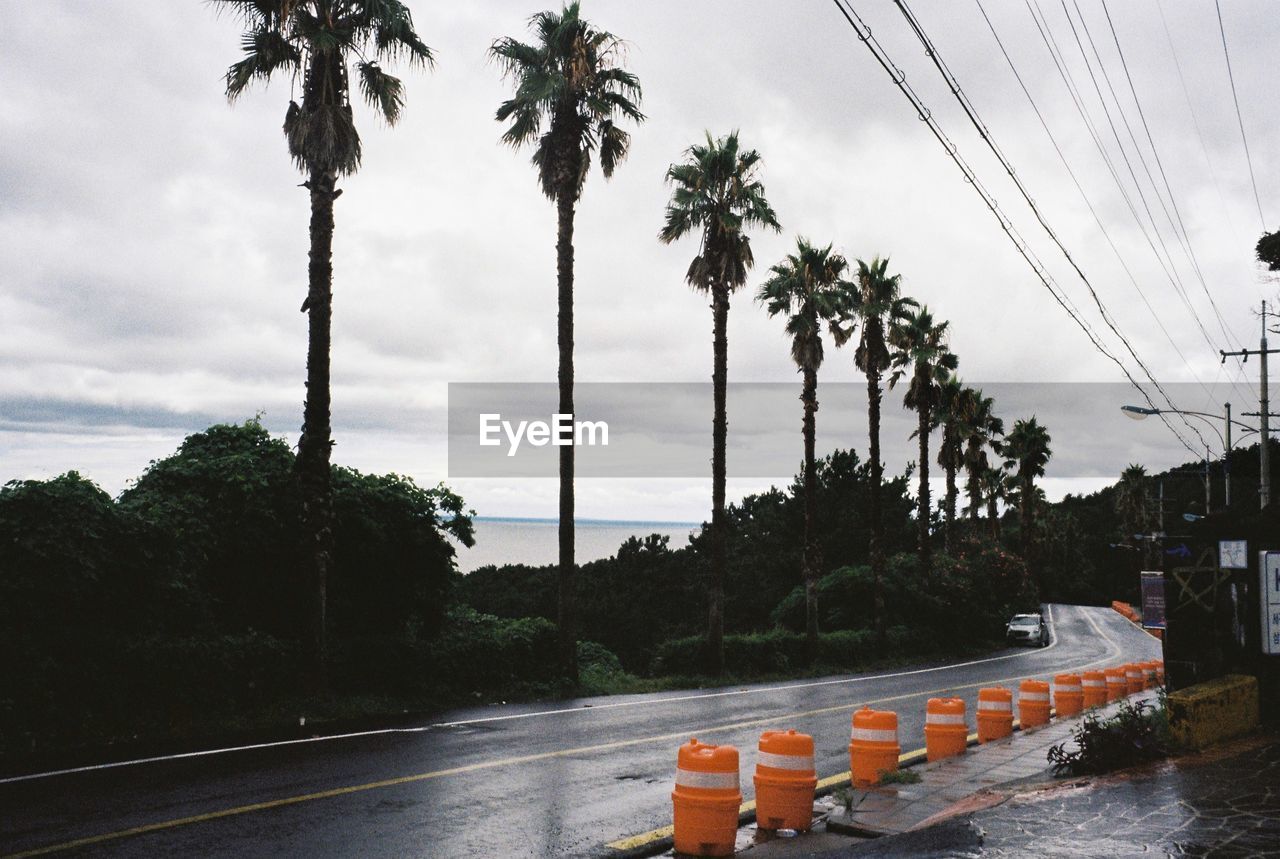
<point>484,765</point>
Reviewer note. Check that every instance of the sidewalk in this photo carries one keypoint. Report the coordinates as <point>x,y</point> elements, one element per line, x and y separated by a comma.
<point>1001,800</point>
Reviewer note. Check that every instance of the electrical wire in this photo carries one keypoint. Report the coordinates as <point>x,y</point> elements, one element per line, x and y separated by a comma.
<point>1085,197</point>
<point>985,133</point>
<point>1055,51</point>
<point>1240,119</point>
<point>898,77</point>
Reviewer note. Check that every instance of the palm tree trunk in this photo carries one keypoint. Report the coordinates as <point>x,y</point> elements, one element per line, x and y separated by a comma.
<point>566,607</point>
<point>719,434</point>
<point>949,518</point>
<point>810,560</point>
<point>922,430</point>
<point>315,445</point>
<point>974,490</point>
<point>993,516</point>
<point>877,511</point>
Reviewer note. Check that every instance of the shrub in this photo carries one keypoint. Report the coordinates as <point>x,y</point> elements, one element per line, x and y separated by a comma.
<point>481,652</point>
<point>1137,733</point>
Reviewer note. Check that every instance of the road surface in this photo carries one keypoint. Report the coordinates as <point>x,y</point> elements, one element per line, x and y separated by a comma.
<point>560,779</point>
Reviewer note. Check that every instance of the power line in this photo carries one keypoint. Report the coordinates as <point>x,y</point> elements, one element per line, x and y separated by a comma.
<point>1170,270</point>
<point>985,133</point>
<point>1186,237</point>
<point>864,35</point>
<point>1231,77</point>
<point>1085,197</point>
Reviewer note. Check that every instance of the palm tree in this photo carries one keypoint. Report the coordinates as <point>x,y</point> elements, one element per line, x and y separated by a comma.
<point>316,43</point>
<point>877,304</point>
<point>570,81</point>
<point>1133,503</point>
<point>809,288</point>
<point>982,429</point>
<point>1026,451</point>
<point>996,487</point>
<point>920,352</point>
<point>952,415</point>
<point>717,190</point>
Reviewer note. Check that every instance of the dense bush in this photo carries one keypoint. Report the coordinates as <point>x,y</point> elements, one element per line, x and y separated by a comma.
<point>774,652</point>
<point>1137,733</point>
<point>181,605</point>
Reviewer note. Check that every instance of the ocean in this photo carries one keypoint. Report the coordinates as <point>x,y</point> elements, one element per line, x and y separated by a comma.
<point>536,541</point>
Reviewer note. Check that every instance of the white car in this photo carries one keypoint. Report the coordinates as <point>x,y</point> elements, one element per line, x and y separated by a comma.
<point>1027,629</point>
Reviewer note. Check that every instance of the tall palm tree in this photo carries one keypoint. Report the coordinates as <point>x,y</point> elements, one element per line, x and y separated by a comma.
<point>996,487</point>
<point>717,190</point>
<point>1133,503</point>
<point>878,305</point>
<point>316,43</point>
<point>1026,451</point>
<point>570,81</point>
<point>982,429</point>
<point>952,416</point>
<point>809,288</point>
<point>920,353</point>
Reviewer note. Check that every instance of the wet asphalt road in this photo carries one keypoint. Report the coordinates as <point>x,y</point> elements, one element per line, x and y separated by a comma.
<point>560,779</point>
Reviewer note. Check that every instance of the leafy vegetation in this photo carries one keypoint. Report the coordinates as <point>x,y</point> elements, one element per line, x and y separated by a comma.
<point>1137,733</point>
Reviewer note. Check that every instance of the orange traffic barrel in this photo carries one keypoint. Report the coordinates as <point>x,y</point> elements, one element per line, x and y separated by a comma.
<point>785,781</point>
<point>945,732</point>
<point>706,799</point>
<point>1135,678</point>
<point>873,746</point>
<point>995,713</point>
<point>1068,693</point>
<point>1094,686</point>
<point>1117,685</point>
<point>1033,703</point>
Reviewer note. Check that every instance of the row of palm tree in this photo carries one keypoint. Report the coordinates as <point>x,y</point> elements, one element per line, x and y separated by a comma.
<point>810,289</point>
<point>571,97</point>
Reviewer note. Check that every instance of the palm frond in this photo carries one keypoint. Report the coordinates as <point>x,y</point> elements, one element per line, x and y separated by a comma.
<point>382,91</point>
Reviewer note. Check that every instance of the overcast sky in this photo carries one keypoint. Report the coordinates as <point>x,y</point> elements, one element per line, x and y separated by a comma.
<point>153,238</point>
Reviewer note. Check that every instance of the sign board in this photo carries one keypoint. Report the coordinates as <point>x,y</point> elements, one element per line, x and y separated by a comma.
<point>1153,608</point>
<point>1269,597</point>
<point>1233,554</point>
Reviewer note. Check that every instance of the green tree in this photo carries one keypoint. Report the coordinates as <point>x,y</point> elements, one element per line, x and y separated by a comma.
<point>316,43</point>
<point>1026,451</point>
<point>982,430</point>
<point>569,80</point>
<point>809,289</point>
<point>878,305</point>
<point>997,489</point>
<point>717,190</point>
<point>1268,250</point>
<point>920,353</point>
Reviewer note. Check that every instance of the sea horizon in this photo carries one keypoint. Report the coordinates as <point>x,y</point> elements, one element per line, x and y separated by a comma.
<point>534,540</point>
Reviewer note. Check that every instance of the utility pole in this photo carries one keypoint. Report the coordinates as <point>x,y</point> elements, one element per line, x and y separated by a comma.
<point>1226,465</point>
<point>1207,490</point>
<point>1264,445</point>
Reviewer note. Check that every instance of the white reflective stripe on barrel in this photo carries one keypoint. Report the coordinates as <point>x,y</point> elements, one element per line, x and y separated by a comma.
<point>786,762</point>
<point>876,735</point>
<point>1034,696</point>
<point>944,718</point>
<point>996,705</point>
<point>1095,684</point>
<point>693,778</point>
<point>1066,689</point>
<point>1136,675</point>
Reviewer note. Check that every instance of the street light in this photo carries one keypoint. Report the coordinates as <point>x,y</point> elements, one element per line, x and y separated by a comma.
<point>1139,413</point>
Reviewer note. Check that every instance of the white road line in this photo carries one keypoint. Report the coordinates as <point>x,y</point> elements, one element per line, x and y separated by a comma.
<point>558,712</point>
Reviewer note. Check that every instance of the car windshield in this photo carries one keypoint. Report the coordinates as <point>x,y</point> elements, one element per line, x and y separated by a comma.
<point>1025,620</point>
